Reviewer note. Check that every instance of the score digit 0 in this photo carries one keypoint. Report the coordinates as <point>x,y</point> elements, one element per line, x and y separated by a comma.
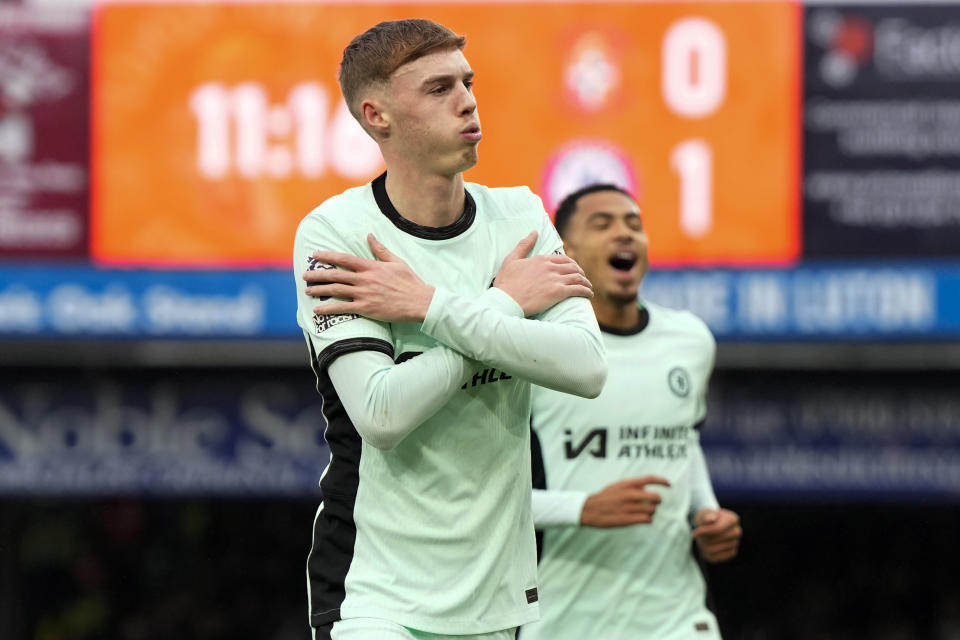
<point>694,85</point>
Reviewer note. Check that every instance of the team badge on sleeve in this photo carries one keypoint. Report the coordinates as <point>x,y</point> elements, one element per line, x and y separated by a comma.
<point>315,265</point>
<point>322,322</point>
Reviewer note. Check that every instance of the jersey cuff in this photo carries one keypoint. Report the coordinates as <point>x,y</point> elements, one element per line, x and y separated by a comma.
<point>435,310</point>
<point>492,298</point>
<point>502,301</point>
<point>557,508</point>
<point>350,345</point>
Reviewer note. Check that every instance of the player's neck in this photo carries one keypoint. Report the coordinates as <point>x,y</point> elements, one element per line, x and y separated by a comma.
<point>427,199</point>
<point>615,314</point>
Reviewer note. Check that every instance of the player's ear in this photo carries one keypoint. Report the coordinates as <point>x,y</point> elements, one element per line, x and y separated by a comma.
<point>375,117</point>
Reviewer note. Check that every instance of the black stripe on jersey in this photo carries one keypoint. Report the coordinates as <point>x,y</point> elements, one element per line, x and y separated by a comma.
<point>428,233</point>
<point>539,477</point>
<point>333,351</point>
<point>407,355</point>
<point>323,632</point>
<point>699,425</point>
<point>642,323</point>
<point>334,529</point>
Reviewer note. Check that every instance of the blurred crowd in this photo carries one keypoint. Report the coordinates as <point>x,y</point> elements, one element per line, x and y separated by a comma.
<point>152,570</point>
<point>205,569</point>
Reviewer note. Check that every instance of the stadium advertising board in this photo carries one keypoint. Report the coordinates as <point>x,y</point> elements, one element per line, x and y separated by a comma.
<point>840,435</point>
<point>806,303</point>
<point>139,434</point>
<point>237,434</point>
<point>218,127</point>
<point>83,302</point>
<point>882,131</point>
<point>44,142</point>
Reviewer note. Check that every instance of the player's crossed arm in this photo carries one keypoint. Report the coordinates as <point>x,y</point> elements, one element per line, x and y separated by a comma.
<point>539,282</point>
<point>388,290</point>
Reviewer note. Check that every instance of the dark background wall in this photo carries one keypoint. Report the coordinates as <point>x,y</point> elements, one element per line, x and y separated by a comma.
<point>167,562</point>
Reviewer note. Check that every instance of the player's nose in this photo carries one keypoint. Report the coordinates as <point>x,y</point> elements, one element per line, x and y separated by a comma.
<point>623,230</point>
<point>468,104</point>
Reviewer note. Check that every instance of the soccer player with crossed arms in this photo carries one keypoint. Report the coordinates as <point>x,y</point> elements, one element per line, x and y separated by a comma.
<point>622,485</point>
<point>430,307</point>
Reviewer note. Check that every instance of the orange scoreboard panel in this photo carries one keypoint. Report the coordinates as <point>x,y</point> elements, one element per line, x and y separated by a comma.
<point>216,128</point>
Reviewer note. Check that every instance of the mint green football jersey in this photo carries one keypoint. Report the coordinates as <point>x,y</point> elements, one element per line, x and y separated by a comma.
<point>435,534</point>
<point>640,582</point>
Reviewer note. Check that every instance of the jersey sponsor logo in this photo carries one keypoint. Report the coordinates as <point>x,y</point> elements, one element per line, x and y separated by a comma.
<point>702,626</point>
<point>679,381</point>
<point>661,442</point>
<point>597,450</point>
<point>323,322</point>
<point>315,265</point>
<point>531,595</point>
<point>486,377</point>
<point>649,451</point>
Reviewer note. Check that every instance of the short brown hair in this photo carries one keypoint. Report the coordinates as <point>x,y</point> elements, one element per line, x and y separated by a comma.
<point>382,49</point>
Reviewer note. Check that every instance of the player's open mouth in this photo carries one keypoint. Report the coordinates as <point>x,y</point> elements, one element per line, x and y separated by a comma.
<point>623,260</point>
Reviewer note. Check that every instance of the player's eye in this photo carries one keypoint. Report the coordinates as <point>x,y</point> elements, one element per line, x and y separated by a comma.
<point>439,90</point>
<point>635,223</point>
<point>468,84</point>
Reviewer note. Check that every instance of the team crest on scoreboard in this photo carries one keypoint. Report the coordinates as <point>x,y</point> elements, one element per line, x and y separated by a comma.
<point>584,162</point>
<point>679,381</point>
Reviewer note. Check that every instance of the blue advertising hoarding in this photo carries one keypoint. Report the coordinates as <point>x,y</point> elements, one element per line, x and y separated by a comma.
<point>218,433</point>
<point>834,435</point>
<point>836,301</point>
<point>214,432</point>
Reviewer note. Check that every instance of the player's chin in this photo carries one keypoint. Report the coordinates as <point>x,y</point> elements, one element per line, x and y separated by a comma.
<point>623,295</point>
<point>470,157</point>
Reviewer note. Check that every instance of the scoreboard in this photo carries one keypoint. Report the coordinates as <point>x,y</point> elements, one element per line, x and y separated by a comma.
<point>789,159</point>
<point>230,118</point>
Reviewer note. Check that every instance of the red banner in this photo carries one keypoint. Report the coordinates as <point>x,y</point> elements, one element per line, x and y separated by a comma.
<point>44,132</point>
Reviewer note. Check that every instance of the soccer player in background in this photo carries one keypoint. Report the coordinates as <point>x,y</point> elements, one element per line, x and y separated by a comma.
<point>426,328</point>
<point>620,481</point>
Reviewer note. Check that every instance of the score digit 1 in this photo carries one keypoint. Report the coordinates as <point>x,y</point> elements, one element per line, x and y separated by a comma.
<point>694,85</point>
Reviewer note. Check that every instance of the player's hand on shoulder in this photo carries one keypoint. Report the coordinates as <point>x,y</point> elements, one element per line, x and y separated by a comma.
<point>386,289</point>
<point>539,282</point>
<point>622,503</point>
<point>717,533</point>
